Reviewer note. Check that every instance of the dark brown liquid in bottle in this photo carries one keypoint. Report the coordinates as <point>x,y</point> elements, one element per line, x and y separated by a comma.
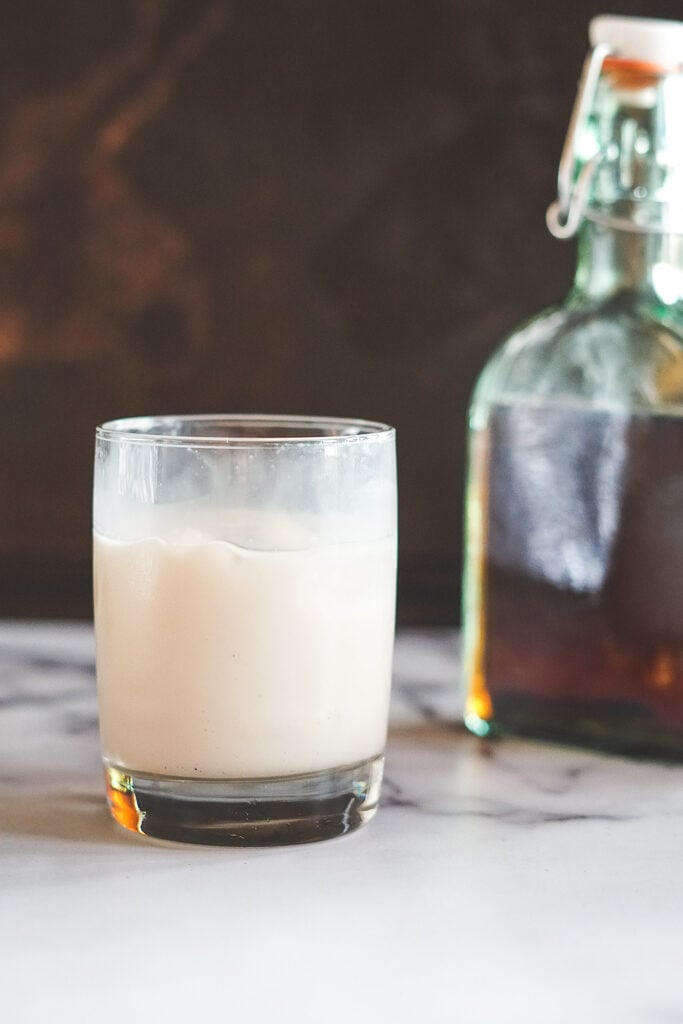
<point>579,620</point>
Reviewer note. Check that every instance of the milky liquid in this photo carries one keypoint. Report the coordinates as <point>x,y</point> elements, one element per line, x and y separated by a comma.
<point>216,661</point>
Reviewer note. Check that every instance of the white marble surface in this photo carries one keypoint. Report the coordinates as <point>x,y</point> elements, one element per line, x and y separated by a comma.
<point>504,883</point>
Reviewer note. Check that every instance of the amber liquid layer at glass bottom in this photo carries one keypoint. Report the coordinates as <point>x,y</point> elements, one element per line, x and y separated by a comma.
<point>246,812</point>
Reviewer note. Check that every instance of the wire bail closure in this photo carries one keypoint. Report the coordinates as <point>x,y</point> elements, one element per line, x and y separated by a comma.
<point>564,214</point>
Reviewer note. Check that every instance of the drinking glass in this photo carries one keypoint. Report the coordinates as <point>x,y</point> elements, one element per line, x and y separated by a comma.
<point>244,585</point>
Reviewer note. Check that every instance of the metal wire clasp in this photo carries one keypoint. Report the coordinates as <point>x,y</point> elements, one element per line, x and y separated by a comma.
<point>564,214</point>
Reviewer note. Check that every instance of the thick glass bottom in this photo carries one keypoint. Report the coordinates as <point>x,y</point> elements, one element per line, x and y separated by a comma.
<point>608,726</point>
<point>246,812</point>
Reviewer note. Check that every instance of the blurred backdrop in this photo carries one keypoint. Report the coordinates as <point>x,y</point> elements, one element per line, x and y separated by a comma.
<point>295,206</point>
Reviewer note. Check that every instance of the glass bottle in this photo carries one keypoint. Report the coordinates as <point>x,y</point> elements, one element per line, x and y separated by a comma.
<point>573,586</point>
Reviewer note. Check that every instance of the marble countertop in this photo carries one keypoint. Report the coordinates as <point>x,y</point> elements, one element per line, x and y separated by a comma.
<point>507,882</point>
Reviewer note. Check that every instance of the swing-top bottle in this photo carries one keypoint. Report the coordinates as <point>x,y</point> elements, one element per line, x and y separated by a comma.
<point>573,592</point>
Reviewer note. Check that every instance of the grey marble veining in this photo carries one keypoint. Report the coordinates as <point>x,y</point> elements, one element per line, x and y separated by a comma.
<point>507,882</point>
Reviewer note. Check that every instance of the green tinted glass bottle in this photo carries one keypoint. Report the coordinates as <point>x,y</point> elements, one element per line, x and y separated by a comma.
<point>573,590</point>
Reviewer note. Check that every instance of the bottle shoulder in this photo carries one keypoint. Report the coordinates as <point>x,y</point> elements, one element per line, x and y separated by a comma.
<point>613,352</point>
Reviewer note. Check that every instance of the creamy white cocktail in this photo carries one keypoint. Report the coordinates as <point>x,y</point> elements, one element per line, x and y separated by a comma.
<point>215,661</point>
<point>244,573</point>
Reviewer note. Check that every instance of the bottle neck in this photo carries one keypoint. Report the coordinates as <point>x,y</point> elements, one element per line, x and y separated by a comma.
<point>613,261</point>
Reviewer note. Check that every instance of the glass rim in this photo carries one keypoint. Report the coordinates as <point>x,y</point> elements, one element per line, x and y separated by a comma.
<point>155,430</point>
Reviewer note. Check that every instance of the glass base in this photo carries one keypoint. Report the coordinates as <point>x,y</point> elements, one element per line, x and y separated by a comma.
<point>246,812</point>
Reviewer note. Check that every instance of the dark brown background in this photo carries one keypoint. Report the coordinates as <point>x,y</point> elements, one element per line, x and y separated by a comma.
<point>269,205</point>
